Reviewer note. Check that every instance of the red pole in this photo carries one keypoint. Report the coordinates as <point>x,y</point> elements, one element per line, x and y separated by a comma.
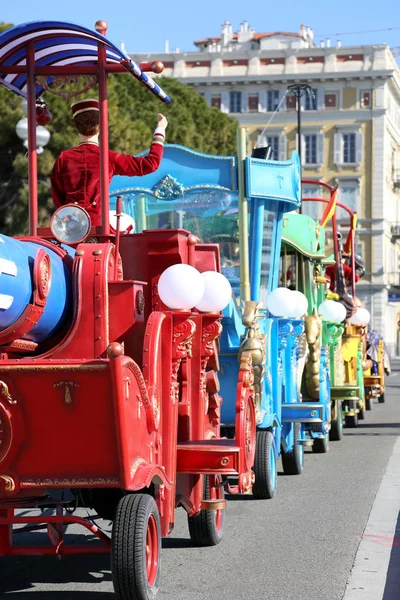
<point>353,261</point>
<point>104,167</point>
<point>32,155</point>
<point>117,235</point>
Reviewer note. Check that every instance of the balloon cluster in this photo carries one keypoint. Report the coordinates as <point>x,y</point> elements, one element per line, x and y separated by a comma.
<point>184,287</point>
<point>283,302</point>
<point>332,311</point>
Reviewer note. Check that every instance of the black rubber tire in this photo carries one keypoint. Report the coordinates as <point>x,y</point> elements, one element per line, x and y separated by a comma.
<point>381,398</point>
<point>336,431</point>
<point>128,547</point>
<point>264,487</point>
<point>293,461</point>
<point>321,445</point>
<point>203,528</point>
<point>368,399</point>
<point>351,421</point>
<point>361,413</point>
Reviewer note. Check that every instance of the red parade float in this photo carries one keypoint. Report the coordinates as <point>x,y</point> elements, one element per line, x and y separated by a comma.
<point>117,399</point>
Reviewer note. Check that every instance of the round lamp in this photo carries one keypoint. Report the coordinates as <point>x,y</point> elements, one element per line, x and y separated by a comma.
<point>300,304</point>
<point>330,311</point>
<point>280,302</point>
<point>181,287</point>
<point>125,222</point>
<point>217,292</point>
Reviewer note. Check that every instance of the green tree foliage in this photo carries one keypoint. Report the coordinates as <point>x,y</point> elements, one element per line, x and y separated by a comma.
<point>132,119</point>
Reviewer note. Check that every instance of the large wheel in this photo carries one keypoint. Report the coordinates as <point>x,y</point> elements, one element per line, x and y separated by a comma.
<point>206,527</point>
<point>265,466</point>
<point>293,461</point>
<point>361,412</point>
<point>136,548</point>
<point>381,398</point>
<point>321,445</point>
<point>368,398</point>
<point>336,431</point>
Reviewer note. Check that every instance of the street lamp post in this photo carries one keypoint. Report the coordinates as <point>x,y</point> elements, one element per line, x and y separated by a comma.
<point>299,90</point>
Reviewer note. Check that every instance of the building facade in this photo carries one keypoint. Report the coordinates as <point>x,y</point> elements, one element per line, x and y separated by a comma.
<point>350,133</point>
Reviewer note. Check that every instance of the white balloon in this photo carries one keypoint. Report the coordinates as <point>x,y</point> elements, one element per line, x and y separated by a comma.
<point>330,311</point>
<point>217,292</point>
<point>181,286</point>
<point>300,306</point>
<point>124,222</point>
<point>281,302</point>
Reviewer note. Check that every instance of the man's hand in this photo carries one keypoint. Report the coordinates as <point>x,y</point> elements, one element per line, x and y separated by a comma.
<point>161,121</point>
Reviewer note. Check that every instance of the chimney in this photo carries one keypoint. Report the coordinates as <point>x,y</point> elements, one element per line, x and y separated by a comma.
<point>322,44</point>
<point>226,33</point>
<point>303,31</point>
<point>339,43</point>
<point>166,46</point>
<point>328,42</point>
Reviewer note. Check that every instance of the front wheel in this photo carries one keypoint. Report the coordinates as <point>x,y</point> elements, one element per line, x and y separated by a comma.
<point>206,527</point>
<point>368,399</point>
<point>265,472</point>
<point>136,548</point>
<point>293,461</point>
<point>361,412</point>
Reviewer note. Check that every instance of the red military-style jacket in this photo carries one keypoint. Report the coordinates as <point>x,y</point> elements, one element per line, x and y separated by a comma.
<point>75,177</point>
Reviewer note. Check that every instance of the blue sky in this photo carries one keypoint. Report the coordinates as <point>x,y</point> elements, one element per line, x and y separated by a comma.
<point>145,25</point>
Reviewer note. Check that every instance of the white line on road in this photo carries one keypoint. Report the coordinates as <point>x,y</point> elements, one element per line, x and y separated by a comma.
<point>368,577</point>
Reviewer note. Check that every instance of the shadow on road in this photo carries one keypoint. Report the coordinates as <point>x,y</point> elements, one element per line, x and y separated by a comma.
<point>392,587</point>
<point>69,595</point>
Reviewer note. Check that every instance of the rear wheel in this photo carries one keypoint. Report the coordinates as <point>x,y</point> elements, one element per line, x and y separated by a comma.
<point>265,466</point>
<point>321,445</point>
<point>336,432</point>
<point>381,398</point>
<point>206,527</point>
<point>361,412</point>
<point>136,548</point>
<point>293,461</point>
<point>368,398</point>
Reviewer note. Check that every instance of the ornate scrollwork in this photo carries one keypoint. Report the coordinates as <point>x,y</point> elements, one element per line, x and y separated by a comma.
<point>181,348</point>
<point>9,483</point>
<point>313,326</point>
<point>67,389</point>
<point>5,393</point>
<point>168,188</point>
<point>55,85</point>
<point>254,342</point>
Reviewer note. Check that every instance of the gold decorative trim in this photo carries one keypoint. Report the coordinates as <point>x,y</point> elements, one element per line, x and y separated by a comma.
<point>9,483</point>
<point>68,482</point>
<point>4,392</point>
<point>67,392</point>
<point>37,368</point>
<point>60,80</point>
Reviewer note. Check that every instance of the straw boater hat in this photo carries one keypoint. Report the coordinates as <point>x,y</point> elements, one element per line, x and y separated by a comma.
<point>84,105</point>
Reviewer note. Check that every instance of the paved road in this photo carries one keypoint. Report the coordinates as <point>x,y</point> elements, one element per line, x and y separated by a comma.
<point>301,545</point>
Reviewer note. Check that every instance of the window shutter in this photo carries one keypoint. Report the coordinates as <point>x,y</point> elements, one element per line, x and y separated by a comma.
<point>320,92</point>
<point>303,148</point>
<point>261,140</point>
<point>262,101</point>
<point>320,148</point>
<point>207,97</point>
<point>282,147</point>
<point>245,102</point>
<point>359,142</point>
<point>281,102</point>
<point>337,148</point>
<point>225,102</point>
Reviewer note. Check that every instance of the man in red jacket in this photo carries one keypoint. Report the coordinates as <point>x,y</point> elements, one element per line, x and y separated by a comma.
<point>75,177</point>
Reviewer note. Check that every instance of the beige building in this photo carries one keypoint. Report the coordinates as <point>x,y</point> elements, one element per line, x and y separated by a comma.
<point>350,129</point>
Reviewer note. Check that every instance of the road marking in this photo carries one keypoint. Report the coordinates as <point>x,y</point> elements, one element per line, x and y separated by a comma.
<point>369,574</point>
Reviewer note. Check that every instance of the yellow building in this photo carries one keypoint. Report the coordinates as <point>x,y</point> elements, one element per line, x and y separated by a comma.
<point>350,129</point>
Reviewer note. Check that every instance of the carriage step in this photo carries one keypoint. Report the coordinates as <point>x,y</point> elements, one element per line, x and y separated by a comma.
<point>208,457</point>
<point>302,412</point>
<point>345,392</point>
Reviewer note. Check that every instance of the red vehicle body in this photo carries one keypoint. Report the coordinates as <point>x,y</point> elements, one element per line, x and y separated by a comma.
<point>122,405</point>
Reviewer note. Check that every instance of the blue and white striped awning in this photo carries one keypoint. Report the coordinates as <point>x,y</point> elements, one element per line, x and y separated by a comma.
<point>58,44</point>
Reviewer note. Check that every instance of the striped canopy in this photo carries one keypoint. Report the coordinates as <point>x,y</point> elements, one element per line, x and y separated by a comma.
<point>58,44</point>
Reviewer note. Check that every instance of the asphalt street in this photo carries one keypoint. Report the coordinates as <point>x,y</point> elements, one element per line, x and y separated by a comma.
<point>300,545</point>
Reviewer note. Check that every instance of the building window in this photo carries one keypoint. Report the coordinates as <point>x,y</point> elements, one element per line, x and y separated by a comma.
<point>349,194</point>
<point>310,100</point>
<point>235,102</point>
<point>312,209</point>
<point>310,149</point>
<point>253,103</point>
<point>216,100</point>
<point>365,99</point>
<point>291,102</point>
<point>349,148</point>
<point>273,141</point>
<point>272,100</point>
<point>331,100</point>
